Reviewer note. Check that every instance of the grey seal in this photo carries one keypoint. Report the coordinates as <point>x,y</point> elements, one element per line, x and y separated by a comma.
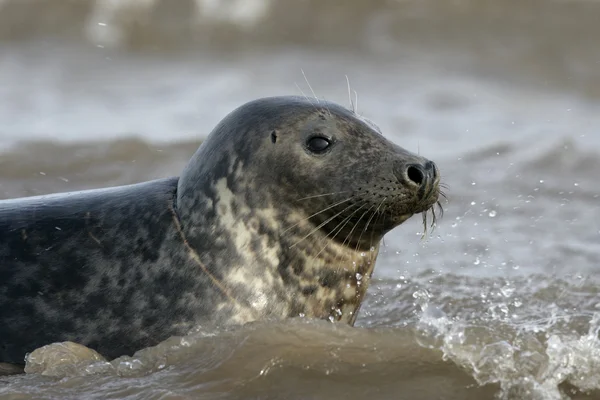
<point>278,214</point>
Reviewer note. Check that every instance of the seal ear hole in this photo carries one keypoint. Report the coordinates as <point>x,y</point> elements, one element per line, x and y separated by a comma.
<point>273,137</point>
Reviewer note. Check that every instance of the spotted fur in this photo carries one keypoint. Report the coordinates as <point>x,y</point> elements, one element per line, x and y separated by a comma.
<point>255,227</point>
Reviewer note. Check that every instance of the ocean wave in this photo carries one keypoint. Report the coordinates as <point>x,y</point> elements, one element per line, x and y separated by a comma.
<point>516,340</point>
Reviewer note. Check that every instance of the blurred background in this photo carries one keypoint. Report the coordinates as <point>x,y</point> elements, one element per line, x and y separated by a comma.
<point>503,94</point>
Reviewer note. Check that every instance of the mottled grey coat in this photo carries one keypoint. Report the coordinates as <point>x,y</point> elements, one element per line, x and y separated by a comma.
<point>258,226</point>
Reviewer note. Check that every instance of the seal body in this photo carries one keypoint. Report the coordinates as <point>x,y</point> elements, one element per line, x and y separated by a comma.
<point>278,214</point>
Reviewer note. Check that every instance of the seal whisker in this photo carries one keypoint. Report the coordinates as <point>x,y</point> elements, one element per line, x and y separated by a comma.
<point>321,225</point>
<point>433,224</point>
<point>434,216</point>
<point>305,96</point>
<point>440,208</point>
<point>367,224</point>
<point>375,212</point>
<point>372,255</point>
<point>321,195</point>
<point>357,222</point>
<point>350,94</point>
<point>349,235</point>
<point>424,217</point>
<point>379,215</point>
<point>309,86</point>
<point>301,91</point>
<point>343,223</point>
<point>317,213</point>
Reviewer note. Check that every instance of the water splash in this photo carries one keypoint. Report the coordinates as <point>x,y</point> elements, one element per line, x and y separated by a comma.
<point>528,361</point>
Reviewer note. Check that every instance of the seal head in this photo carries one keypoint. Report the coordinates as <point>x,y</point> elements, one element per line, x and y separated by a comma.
<point>302,192</point>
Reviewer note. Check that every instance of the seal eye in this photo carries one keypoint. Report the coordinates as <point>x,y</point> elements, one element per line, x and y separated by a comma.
<point>318,144</point>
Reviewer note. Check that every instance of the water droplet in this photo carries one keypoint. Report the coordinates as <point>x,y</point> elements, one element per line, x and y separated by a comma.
<point>517,303</point>
<point>422,298</point>
<point>477,261</point>
<point>133,364</point>
<point>492,213</point>
<point>358,276</point>
<point>507,291</point>
<point>473,203</point>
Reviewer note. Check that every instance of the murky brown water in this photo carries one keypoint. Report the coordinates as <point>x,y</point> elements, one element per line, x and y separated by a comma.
<point>502,300</point>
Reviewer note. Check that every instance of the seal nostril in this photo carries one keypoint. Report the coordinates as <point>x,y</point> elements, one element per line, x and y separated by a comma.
<point>415,174</point>
<point>431,168</point>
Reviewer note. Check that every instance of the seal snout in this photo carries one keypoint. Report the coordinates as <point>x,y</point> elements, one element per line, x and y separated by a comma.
<point>421,174</point>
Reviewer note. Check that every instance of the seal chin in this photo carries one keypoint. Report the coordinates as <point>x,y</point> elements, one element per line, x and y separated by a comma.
<point>400,219</point>
<point>430,200</point>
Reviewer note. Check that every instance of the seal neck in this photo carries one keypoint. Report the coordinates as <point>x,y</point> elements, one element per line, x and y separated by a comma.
<point>267,258</point>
